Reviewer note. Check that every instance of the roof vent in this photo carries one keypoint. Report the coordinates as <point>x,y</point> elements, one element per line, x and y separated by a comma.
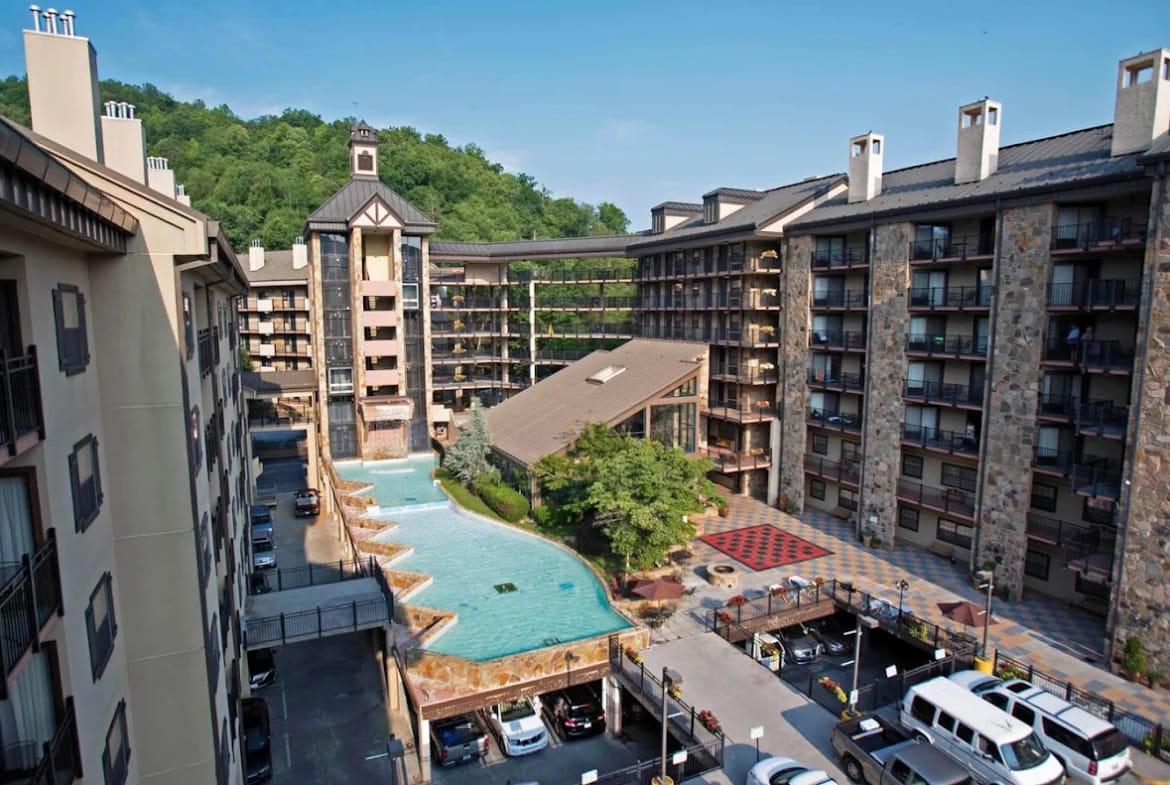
<point>606,374</point>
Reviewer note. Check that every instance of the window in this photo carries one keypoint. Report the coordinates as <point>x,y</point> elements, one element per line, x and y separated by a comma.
<point>188,327</point>
<point>116,755</point>
<point>962,477</point>
<point>69,315</point>
<point>955,533</point>
<point>1043,497</point>
<point>340,380</point>
<point>912,466</point>
<point>998,701</point>
<point>946,721</point>
<point>922,710</point>
<point>410,296</point>
<point>1037,564</point>
<point>965,734</point>
<point>988,748</point>
<point>193,439</point>
<point>1097,511</point>
<point>101,626</point>
<point>816,489</point>
<point>204,549</point>
<point>86,481</point>
<point>900,771</point>
<point>908,518</point>
<point>820,444</point>
<point>1024,714</point>
<point>847,499</point>
<point>850,451</point>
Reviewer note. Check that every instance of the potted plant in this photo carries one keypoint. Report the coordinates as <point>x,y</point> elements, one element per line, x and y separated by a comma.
<point>875,541</point>
<point>633,656</point>
<point>457,299</point>
<point>1133,659</point>
<point>709,721</point>
<point>737,601</point>
<point>723,507</point>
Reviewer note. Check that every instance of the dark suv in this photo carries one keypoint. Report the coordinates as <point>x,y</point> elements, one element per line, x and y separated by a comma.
<point>575,711</point>
<point>257,740</point>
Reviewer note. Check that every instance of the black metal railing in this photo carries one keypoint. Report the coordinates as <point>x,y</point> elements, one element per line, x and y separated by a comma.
<point>850,299</point>
<point>938,439</point>
<point>951,248</point>
<point>746,374</point>
<point>1090,355</point>
<point>835,419</point>
<point>727,462</point>
<point>947,345</point>
<point>1053,405</point>
<point>1097,476</point>
<point>837,339</point>
<point>563,274</point>
<point>20,399</point>
<point>1053,460</point>
<point>939,392</point>
<point>741,410</point>
<point>205,351</point>
<point>588,302</point>
<point>828,258</point>
<point>54,762</point>
<point>554,356</point>
<point>29,598</point>
<point>952,501</point>
<point>317,622</point>
<point>818,377</point>
<point>1102,418</point>
<point>1095,294</point>
<point>953,297</point>
<point>317,574</point>
<point>1111,230</point>
<point>459,302</point>
<point>839,471</point>
<point>1057,532</point>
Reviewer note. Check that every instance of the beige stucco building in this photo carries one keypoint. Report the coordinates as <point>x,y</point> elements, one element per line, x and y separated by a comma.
<point>121,477</point>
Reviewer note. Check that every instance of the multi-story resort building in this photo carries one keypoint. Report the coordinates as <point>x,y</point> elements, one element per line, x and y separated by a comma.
<point>274,318</point>
<point>121,471</point>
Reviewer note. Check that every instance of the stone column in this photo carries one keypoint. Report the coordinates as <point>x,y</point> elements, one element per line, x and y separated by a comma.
<point>1019,321</point>
<point>357,308</point>
<point>1141,602</point>
<point>887,323</point>
<point>611,704</point>
<point>790,435</point>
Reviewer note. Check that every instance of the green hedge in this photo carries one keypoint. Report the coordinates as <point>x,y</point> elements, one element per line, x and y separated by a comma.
<point>508,503</point>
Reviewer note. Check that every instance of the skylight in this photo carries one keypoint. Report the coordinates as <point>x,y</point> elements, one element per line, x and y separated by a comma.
<point>606,373</point>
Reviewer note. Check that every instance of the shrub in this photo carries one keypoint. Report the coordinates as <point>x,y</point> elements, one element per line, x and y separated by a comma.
<point>508,503</point>
<point>1134,658</point>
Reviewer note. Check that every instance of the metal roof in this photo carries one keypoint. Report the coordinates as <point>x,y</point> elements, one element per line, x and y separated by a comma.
<point>278,266</point>
<point>1072,159</point>
<point>1159,150</point>
<point>744,194</point>
<point>774,204</point>
<point>682,207</point>
<point>547,417</point>
<point>516,250</point>
<point>339,209</point>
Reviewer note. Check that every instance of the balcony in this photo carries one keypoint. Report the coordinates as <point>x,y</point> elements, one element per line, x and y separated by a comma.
<point>955,249</point>
<point>559,356</point>
<point>819,379</point>
<point>960,347</point>
<point>849,300</point>
<point>382,377</point>
<point>54,762</point>
<point>742,411</point>
<point>379,288</point>
<point>764,373</point>
<point>460,380</point>
<point>1061,408</point>
<point>929,438</point>
<point>844,471</point>
<point>840,258</point>
<point>381,348</point>
<point>1102,418</point>
<point>1057,532</point>
<point>460,303</point>
<point>1109,357</point>
<point>730,462</point>
<point>29,599</point>
<point>22,423</point>
<point>954,502</point>
<point>206,352</point>
<point>1049,460</point>
<point>835,420</point>
<point>386,318</point>
<point>1117,294</point>
<point>953,298</point>
<point>845,340</point>
<point>1112,232</point>
<point>960,395</point>
<point>587,303</point>
<point>1092,476</point>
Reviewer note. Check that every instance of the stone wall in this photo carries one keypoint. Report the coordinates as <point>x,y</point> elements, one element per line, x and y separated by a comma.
<point>794,365</point>
<point>886,327</point>
<point>1142,602</point>
<point>1020,319</point>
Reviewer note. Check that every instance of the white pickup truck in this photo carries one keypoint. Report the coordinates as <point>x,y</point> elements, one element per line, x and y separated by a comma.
<point>876,752</point>
<point>518,726</point>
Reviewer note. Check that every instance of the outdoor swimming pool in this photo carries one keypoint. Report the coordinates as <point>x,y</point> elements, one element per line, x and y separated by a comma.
<point>555,599</point>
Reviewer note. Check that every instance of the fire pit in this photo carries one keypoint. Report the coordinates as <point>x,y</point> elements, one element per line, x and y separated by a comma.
<point>725,576</point>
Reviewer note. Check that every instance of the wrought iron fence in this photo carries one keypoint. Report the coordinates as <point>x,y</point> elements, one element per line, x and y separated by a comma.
<point>317,622</point>
<point>314,575</point>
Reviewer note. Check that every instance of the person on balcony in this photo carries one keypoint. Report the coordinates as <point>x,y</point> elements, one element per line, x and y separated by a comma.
<point>1072,340</point>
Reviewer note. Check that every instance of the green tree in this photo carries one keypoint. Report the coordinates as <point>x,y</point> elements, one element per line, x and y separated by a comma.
<point>468,456</point>
<point>245,359</point>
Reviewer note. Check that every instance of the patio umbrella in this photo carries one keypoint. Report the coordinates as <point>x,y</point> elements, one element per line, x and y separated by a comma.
<point>659,589</point>
<point>966,612</point>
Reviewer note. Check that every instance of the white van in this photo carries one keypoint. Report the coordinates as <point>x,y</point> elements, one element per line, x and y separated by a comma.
<point>1091,749</point>
<point>994,746</point>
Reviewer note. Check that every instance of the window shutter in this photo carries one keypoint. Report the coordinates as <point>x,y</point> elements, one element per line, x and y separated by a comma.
<point>59,321</point>
<point>97,475</point>
<point>83,333</point>
<point>93,663</point>
<point>75,487</point>
<point>109,578</point>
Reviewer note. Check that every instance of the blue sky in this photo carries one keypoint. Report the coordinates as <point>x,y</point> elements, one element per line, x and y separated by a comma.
<point>636,102</point>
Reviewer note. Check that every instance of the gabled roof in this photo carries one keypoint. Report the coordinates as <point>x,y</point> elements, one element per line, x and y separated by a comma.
<point>1158,151</point>
<point>737,194</point>
<point>517,250</point>
<point>1074,159</point>
<point>338,210</point>
<point>681,207</point>
<point>547,417</point>
<point>278,266</point>
<point>774,204</point>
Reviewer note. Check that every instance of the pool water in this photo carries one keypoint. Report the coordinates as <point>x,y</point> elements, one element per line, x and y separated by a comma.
<point>397,483</point>
<point>555,599</point>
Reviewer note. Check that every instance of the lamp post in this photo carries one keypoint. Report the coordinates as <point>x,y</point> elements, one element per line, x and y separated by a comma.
<point>670,679</point>
<point>986,613</point>
<point>902,587</point>
<point>870,623</point>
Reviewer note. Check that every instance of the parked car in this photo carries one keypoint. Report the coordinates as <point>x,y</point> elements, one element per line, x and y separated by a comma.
<point>786,771</point>
<point>261,668</point>
<point>519,727</point>
<point>263,555</point>
<point>977,682</point>
<point>575,711</point>
<point>258,583</point>
<point>458,740</point>
<point>260,527</point>
<point>877,752</point>
<point>308,503</point>
<point>828,633</point>
<point>257,740</point>
<point>799,646</point>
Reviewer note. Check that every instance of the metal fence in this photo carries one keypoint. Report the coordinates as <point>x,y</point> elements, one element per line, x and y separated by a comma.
<point>1151,736</point>
<point>317,622</point>
<point>878,693</point>
<point>314,575</point>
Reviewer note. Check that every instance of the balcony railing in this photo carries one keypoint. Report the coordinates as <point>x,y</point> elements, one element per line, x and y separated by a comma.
<point>1053,461</point>
<point>1110,231</point>
<point>819,378</point>
<point>1097,477</point>
<point>205,351</point>
<point>469,303</point>
<point>950,298</point>
<point>955,248</point>
<point>728,462</point>
<point>1095,295</point>
<point>947,345</point>
<point>1056,406</point>
<point>1058,532</point>
<point>568,275</point>
<point>746,374</point>
<point>588,302</point>
<point>29,598</point>
<point>839,471</point>
<point>741,411</point>
<point>1102,418</point>
<point>837,339</point>
<point>835,419</point>
<point>826,259</point>
<point>849,300</point>
<point>937,439</point>
<point>54,762</point>
<point>20,399</point>
<point>951,501</point>
<point>1101,356</point>
<point>938,392</point>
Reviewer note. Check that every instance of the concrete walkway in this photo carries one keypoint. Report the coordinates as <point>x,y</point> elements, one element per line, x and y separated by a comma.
<point>1054,637</point>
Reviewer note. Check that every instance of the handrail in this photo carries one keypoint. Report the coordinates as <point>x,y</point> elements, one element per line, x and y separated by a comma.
<point>951,345</point>
<point>846,381</point>
<point>316,574</point>
<point>317,622</point>
<point>20,398</point>
<point>938,439</point>
<point>30,597</point>
<point>940,392</point>
<point>959,297</point>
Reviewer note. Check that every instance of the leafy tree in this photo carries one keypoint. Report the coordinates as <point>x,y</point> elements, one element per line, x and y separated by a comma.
<point>468,456</point>
<point>245,359</point>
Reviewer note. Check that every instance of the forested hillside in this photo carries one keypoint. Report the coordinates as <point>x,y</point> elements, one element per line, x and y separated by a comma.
<point>262,177</point>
